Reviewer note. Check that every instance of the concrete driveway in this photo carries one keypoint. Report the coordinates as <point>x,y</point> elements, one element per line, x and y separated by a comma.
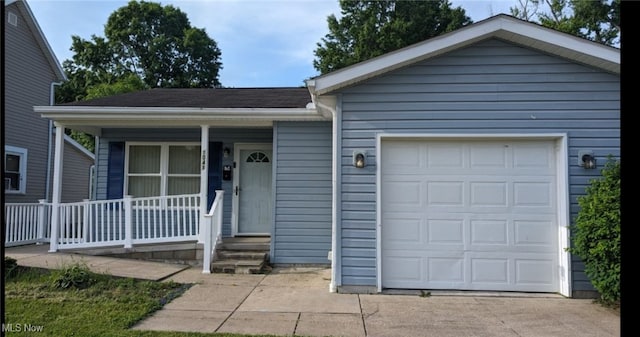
<point>297,301</point>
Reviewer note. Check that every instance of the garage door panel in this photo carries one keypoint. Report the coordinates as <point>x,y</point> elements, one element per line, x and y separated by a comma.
<point>492,232</point>
<point>445,155</point>
<point>404,193</point>
<point>536,194</point>
<point>533,155</point>
<point>403,155</point>
<point>402,231</point>
<point>494,271</point>
<point>445,231</point>
<point>477,215</point>
<point>532,272</point>
<point>405,269</point>
<point>532,234</point>
<point>485,193</point>
<point>488,156</point>
<point>447,270</point>
<point>445,193</point>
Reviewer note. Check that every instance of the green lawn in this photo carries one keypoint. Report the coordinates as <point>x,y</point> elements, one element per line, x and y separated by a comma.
<point>76,302</point>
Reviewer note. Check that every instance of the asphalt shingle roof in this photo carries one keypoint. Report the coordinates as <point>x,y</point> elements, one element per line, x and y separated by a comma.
<point>206,98</point>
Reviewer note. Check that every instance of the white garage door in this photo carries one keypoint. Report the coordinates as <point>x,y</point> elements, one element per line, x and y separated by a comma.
<point>469,215</point>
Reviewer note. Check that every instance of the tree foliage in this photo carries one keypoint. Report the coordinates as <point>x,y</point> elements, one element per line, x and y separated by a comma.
<point>153,42</point>
<point>371,28</point>
<point>595,20</point>
<point>146,45</point>
<point>596,232</point>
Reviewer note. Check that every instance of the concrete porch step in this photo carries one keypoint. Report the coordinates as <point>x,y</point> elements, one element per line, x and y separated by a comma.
<point>242,255</point>
<point>238,266</point>
<point>246,244</point>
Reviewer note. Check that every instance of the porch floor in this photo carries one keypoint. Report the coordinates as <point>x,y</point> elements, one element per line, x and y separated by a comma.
<point>185,252</point>
<point>38,256</point>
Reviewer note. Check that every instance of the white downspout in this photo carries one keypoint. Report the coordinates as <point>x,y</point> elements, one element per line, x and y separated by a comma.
<point>333,286</point>
<point>52,102</point>
<point>335,188</point>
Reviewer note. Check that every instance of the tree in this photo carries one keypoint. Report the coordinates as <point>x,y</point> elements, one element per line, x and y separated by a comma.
<point>145,46</point>
<point>159,44</point>
<point>156,43</point>
<point>595,20</point>
<point>371,28</point>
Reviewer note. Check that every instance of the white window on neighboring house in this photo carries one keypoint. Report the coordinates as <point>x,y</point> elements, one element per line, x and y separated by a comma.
<point>160,169</point>
<point>15,169</point>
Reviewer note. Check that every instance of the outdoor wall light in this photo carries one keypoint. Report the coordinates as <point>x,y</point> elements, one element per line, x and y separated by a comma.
<point>359,159</point>
<point>586,159</point>
<point>226,152</point>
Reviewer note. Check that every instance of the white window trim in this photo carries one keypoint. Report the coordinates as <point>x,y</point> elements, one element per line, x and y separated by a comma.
<point>22,153</point>
<point>164,164</point>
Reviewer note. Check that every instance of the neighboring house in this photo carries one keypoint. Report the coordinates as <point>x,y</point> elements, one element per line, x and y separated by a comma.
<point>454,163</point>
<point>31,72</point>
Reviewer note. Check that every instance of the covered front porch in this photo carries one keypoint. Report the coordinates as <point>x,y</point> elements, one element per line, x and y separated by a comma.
<point>169,171</point>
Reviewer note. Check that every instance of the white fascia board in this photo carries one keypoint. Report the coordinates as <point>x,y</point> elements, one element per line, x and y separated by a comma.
<point>114,116</point>
<point>561,44</point>
<point>393,60</point>
<point>501,26</point>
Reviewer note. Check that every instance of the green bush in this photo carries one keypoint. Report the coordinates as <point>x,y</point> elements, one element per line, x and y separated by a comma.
<point>74,276</point>
<point>596,232</point>
<point>10,264</point>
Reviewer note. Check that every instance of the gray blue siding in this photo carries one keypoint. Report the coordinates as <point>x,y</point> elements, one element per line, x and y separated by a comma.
<point>76,174</point>
<point>27,83</point>
<point>227,136</point>
<point>302,193</point>
<point>490,87</point>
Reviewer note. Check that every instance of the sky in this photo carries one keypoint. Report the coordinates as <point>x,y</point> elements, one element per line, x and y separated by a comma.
<point>264,43</point>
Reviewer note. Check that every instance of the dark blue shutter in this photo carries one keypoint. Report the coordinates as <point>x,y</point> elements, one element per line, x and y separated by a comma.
<point>215,171</point>
<point>115,171</point>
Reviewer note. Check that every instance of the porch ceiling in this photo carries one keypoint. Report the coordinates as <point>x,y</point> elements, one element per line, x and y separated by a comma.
<point>92,119</point>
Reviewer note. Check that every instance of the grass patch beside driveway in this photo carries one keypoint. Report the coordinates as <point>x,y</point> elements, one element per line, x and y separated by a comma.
<point>89,304</point>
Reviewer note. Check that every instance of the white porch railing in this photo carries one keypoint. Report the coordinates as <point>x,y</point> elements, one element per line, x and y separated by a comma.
<point>212,229</point>
<point>125,222</point>
<point>26,223</point>
<point>102,223</point>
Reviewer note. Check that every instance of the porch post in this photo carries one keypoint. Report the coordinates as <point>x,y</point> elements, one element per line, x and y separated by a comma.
<point>41,220</point>
<point>204,179</point>
<point>57,187</point>
<point>128,222</point>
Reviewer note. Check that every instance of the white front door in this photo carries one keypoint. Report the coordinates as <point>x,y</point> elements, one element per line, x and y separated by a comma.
<point>252,197</point>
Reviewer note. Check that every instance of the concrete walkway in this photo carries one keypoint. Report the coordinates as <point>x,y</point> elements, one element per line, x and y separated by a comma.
<point>296,301</point>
